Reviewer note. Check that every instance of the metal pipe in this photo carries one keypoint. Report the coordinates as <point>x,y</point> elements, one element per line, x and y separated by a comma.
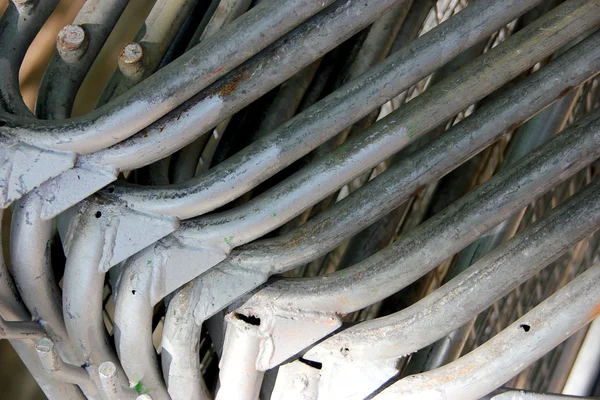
<point>169,87</point>
<point>249,266</point>
<point>585,370</point>
<point>12,309</point>
<point>32,271</point>
<point>512,350</point>
<point>55,366</point>
<point>20,330</point>
<point>72,62</point>
<point>327,117</point>
<point>426,246</point>
<point>456,302</point>
<point>180,348</point>
<point>525,139</point>
<point>270,68</point>
<point>152,98</point>
<point>19,25</point>
<point>153,40</point>
<point>83,284</point>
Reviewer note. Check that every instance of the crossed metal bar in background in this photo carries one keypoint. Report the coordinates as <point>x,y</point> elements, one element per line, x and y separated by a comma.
<point>331,199</point>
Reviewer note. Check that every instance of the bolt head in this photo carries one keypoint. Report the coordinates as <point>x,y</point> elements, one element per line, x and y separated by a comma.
<point>71,42</point>
<point>132,53</point>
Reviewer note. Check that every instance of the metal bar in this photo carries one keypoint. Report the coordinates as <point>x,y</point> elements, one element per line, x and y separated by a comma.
<point>585,370</point>
<point>180,354</point>
<point>83,283</point>
<point>32,270</point>
<point>525,139</point>
<point>19,25</point>
<point>151,99</point>
<point>20,330</point>
<point>270,68</point>
<point>448,232</point>
<point>249,266</point>
<point>327,117</point>
<point>78,47</point>
<point>186,160</point>
<point>169,87</point>
<point>55,366</point>
<point>140,58</point>
<point>493,276</point>
<point>512,350</point>
<point>12,309</point>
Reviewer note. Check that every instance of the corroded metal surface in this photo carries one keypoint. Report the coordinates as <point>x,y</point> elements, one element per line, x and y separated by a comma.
<point>305,200</point>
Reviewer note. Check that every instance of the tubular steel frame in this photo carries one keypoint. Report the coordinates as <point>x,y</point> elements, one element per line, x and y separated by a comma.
<point>332,199</point>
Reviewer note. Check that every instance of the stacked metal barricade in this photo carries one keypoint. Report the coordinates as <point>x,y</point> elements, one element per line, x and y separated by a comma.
<point>306,200</point>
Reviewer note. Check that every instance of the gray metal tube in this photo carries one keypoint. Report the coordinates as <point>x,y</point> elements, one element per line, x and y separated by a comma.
<point>154,38</point>
<point>63,78</point>
<point>18,27</point>
<point>83,284</point>
<point>512,350</point>
<point>526,138</point>
<point>323,120</point>
<point>179,128</point>
<point>169,87</point>
<point>361,208</point>
<point>11,309</point>
<point>315,182</point>
<point>30,258</point>
<point>425,247</point>
<point>472,291</point>
<point>180,348</point>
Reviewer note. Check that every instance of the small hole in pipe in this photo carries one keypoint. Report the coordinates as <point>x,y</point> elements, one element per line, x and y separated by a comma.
<point>525,327</point>
<point>249,319</point>
<point>98,214</point>
<point>2,122</point>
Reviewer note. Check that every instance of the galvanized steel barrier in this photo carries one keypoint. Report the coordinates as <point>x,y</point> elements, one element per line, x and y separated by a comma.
<point>306,200</point>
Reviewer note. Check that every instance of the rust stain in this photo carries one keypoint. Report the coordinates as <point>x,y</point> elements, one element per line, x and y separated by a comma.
<point>595,311</point>
<point>226,86</point>
<point>565,92</point>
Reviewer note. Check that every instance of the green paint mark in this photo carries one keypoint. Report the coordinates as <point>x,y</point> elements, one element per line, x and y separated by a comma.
<point>228,240</point>
<point>149,262</point>
<point>140,389</point>
<point>274,214</point>
<point>411,134</point>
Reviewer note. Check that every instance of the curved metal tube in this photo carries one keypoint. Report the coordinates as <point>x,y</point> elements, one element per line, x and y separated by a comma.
<point>533,133</point>
<point>426,246</point>
<point>472,291</point>
<point>186,160</point>
<point>180,365</point>
<point>326,118</point>
<point>155,36</point>
<point>83,283</point>
<point>169,87</point>
<point>245,270</point>
<point>251,80</point>
<point>250,265</point>
<point>63,78</point>
<point>11,309</point>
<point>30,257</point>
<point>50,141</point>
<point>180,348</point>
<point>512,350</point>
<point>280,204</point>
<point>18,27</point>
